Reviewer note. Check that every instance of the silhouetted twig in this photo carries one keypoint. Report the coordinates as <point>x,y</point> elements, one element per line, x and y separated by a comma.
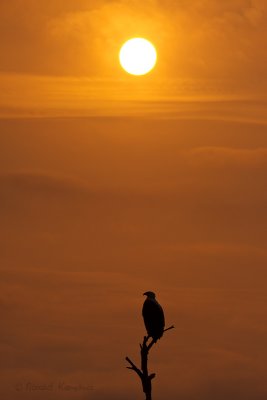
<point>143,374</point>
<point>170,327</point>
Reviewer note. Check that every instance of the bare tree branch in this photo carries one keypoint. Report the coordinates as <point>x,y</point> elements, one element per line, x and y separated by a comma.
<point>170,327</point>
<point>134,367</point>
<point>143,374</point>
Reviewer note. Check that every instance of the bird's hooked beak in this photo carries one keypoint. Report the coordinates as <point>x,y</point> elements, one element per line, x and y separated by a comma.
<point>149,294</point>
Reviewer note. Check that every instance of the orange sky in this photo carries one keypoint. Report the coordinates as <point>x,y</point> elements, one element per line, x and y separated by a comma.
<point>76,37</point>
<point>64,54</point>
<point>112,185</point>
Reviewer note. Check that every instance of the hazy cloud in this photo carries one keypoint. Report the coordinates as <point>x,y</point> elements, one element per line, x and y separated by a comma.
<point>194,38</point>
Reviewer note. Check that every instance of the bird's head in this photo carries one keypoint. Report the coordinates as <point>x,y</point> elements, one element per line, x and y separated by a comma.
<point>150,295</point>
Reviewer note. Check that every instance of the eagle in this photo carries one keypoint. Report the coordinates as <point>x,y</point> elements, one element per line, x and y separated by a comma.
<point>153,316</point>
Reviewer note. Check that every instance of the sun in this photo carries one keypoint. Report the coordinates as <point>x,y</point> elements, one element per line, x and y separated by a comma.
<point>138,56</point>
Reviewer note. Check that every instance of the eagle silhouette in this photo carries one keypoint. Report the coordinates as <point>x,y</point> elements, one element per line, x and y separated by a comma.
<point>153,316</point>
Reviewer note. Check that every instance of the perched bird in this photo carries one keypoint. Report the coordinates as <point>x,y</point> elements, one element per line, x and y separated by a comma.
<point>153,316</point>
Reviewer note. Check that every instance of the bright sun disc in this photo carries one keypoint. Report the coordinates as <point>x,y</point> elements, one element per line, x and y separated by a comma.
<point>138,56</point>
